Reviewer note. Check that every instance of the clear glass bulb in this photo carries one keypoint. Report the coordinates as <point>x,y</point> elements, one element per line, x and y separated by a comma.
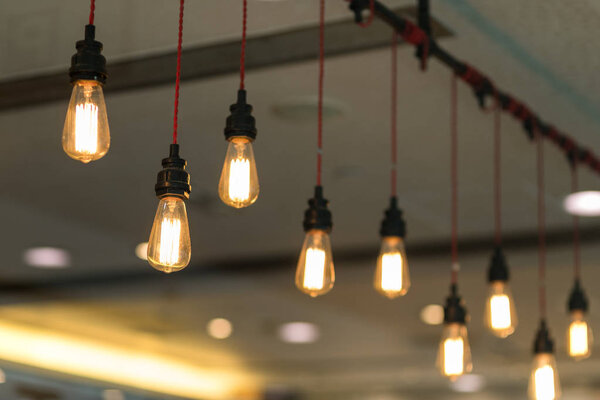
<point>500,313</point>
<point>454,355</point>
<point>315,274</point>
<point>169,247</point>
<point>579,336</point>
<point>543,382</point>
<point>391,276</point>
<point>86,136</point>
<point>238,186</point>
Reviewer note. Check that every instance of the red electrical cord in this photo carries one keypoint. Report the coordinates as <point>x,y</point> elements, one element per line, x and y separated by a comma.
<point>497,176</point>
<point>178,76</point>
<point>92,11</point>
<point>454,174</point>
<point>541,222</point>
<point>243,52</point>
<point>394,117</point>
<point>576,243</point>
<point>371,15</point>
<point>321,76</point>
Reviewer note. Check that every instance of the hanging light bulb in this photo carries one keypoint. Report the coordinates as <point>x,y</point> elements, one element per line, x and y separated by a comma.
<point>454,355</point>
<point>169,247</point>
<point>500,314</point>
<point>315,273</point>
<point>391,275</point>
<point>238,186</point>
<point>86,136</point>
<point>543,381</point>
<point>579,333</point>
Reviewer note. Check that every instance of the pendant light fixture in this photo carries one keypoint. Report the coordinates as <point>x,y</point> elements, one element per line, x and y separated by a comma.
<point>391,275</point>
<point>238,186</point>
<point>579,332</point>
<point>169,247</point>
<point>543,381</point>
<point>454,354</point>
<point>500,315</point>
<point>86,136</point>
<point>315,273</point>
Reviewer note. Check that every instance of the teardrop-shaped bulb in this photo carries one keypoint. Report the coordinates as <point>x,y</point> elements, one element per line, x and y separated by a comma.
<point>238,186</point>
<point>315,274</point>
<point>454,355</point>
<point>579,336</point>
<point>169,247</point>
<point>391,276</point>
<point>500,313</point>
<point>86,136</point>
<point>543,381</point>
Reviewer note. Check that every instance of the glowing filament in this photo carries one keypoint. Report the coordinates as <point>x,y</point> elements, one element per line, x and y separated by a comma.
<point>500,310</point>
<point>453,356</point>
<point>86,128</point>
<point>239,180</point>
<point>578,339</point>
<point>314,274</point>
<point>544,383</point>
<point>391,272</point>
<point>170,234</point>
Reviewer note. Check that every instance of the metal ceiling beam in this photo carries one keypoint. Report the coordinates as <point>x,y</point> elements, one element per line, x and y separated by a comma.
<point>213,60</point>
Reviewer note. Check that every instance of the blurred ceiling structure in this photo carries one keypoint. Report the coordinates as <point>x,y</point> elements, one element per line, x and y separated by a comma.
<point>243,260</point>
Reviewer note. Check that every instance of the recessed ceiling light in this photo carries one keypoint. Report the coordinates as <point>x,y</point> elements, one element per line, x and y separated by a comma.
<point>585,204</point>
<point>219,328</point>
<point>298,332</point>
<point>469,383</point>
<point>47,257</point>
<point>141,251</point>
<point>432,314</point>
<point>113,394</point>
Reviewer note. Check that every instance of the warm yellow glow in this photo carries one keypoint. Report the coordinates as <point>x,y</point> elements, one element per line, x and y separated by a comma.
<point>500,305</point>
<point>86,136</point>
<point>314,269</point>
<point>238,186</point>
<point>169,247</point>
<point>109,363</point>
<point>578,339</point>
<point>544,383</point>
<point>391,276</point>
<point>315,272</point>
<point>453,360</point>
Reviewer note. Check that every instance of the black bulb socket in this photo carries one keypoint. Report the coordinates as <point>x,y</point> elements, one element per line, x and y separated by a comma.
<point>240,123</point>
<point>498,270</point>
<point>543,342</point>
<point>173,179</point>
<point>318,216</point>
<point>393,224</point>
<point>578,300</point>
<point>88,63</point>
<point>454,310</point>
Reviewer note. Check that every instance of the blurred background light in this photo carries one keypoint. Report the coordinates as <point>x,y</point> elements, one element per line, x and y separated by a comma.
<point>219,328</point>
<point>585,204</point>
<point>299,332</point>
<point>141,251</point>
<point>432,314</point>
<point>469,383</point>
<point>47,257</point>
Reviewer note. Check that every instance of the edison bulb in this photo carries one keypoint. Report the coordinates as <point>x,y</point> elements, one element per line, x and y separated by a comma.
<point>391,276</point>
<point>86,136</point>
<point>500,314</point>
<point>454,355</point>
<point>579,336</point>
<point>238,186</point>
<point>169,247</point>
<point>543,382</point>
<point>315,274</point>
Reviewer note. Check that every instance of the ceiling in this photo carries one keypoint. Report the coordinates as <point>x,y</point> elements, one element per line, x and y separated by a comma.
<point>369,347</point>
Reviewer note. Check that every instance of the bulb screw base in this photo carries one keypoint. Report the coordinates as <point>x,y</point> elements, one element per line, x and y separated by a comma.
<point>498,270</point>
<point>88,63</point>
<point>240,123</point>
<point>543,343</point>
<point>393,224</point>
<point>173,180</point>
<point>318,216</point>
<point>454,310</point>
<point>578,300</point>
